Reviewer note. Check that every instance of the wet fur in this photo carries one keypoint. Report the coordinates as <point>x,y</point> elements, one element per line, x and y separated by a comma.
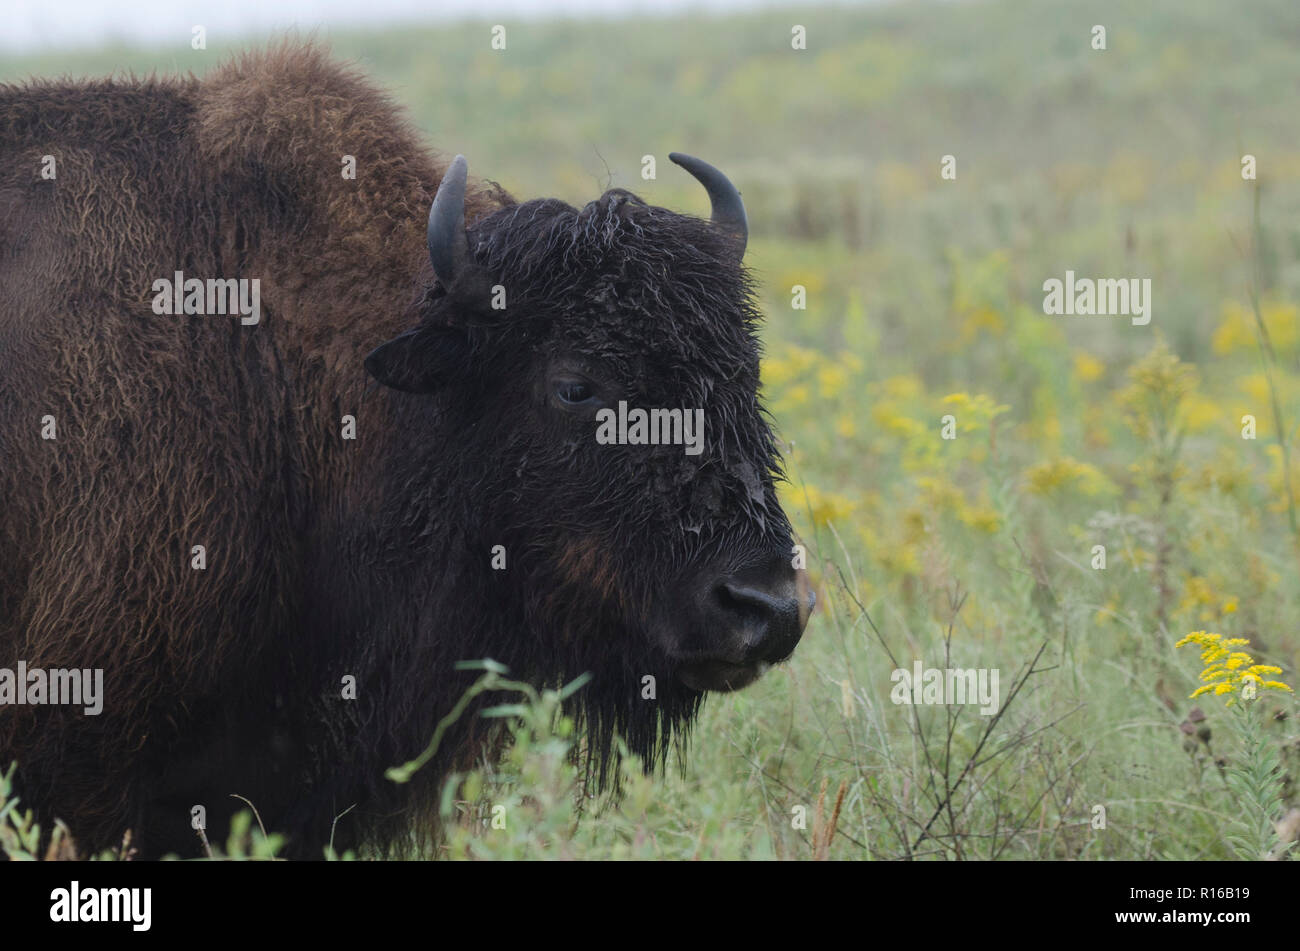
<point>327,557</point>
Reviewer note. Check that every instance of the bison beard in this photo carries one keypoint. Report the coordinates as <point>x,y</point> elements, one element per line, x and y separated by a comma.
<point>328,558</point>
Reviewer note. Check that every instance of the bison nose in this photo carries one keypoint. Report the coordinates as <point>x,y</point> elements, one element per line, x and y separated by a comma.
<point>765,616</point>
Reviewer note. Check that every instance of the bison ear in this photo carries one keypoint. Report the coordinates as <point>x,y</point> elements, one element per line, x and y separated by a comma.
<point>420,360</point>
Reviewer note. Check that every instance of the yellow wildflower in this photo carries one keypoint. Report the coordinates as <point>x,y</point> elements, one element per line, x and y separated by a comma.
<point>1087,367</point>
<point>1235,332</point>
<point>1152,403</point>
<point>981,519</point>
<point>982,319</point>
<point>1239,330</point>
<point>1255,386</point>
<point>1227,670</point>
<point>1056,473</point>
<point>831,380</point>
<point>888,417</point>
<point>1202,414</point>
<point>824,507</point>
<point>904,388</point>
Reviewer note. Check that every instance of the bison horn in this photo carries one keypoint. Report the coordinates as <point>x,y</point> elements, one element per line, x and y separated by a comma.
<point>448,242</point>
<point>728,209</point>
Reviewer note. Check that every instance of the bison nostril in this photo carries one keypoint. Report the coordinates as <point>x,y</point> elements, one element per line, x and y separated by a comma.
<point>753,601</point>
<point>767,623</point>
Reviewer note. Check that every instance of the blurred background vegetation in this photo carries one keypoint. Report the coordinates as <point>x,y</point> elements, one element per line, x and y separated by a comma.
<point>924,298</point>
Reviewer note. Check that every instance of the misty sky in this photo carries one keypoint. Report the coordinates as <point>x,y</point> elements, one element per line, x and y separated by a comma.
<point>59,24</point>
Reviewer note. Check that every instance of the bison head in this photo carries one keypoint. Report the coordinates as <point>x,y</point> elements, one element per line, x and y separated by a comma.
<point>623,556</point>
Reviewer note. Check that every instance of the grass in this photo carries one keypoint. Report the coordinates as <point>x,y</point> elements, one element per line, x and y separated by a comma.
<point>924,300</point>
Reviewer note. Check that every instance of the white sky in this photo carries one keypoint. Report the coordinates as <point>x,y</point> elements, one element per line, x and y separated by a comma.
<point>60,24</point>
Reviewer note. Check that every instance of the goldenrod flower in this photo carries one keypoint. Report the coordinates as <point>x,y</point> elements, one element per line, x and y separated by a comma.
<point>852,361</point>
<point>1238,330</point>
<point>1201,413</point>
<point>831,380</point>
<point>982,318</point>
<point>904,388</point>
<point>1256,388</point>
<point>1088,368</point>
<point>1153,401</point>
<point>823,507</point>
<point>1200,598</point>
<point>1227,670</point>
<point>1045,477</point>
<point>983,519</point>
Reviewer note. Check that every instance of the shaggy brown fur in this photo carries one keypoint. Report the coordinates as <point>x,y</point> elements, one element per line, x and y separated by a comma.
<point>237,175</point>
<point>327,557</point>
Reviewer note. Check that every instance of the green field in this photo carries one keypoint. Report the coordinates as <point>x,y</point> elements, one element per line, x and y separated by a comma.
<point>924,298</point>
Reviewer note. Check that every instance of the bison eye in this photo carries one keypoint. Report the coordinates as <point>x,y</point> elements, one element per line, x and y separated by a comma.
<point>573,392</point>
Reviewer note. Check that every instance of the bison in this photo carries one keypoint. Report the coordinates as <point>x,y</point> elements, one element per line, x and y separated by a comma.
<point>391,467</point>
